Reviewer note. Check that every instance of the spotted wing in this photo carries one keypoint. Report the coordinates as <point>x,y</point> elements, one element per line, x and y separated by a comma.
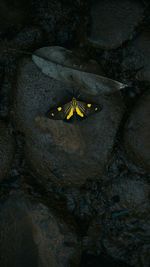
<point>60,112</point>
<point>86,109</point>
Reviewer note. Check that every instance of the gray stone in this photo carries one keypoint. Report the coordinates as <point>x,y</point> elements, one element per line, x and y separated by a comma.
<point>113,22</point>
<point>123,230</point>
<point>31,235</point>
<point>66,153</point>
<point>132,193</point>
<point>6,150</point>
<point>136,136</point>
<point>137,56</point>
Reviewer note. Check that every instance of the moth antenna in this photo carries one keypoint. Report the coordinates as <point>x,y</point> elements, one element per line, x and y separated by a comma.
<point>79,92</point>
<point>77,96</point>
<point>76,93</point>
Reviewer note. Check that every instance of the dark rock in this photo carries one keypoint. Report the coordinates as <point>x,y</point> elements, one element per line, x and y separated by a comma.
<point>6,150</point>
<point>28,38</point>
<point>137,56</point>
<point>59,19</point>
<point>136,137</point>
<point>123,230</point>
<point>31,235</point>
<point>13,13</point>
<point>113,22</point>
<point>104,260</point>
<point>133,195</point>
<point>65,152</point>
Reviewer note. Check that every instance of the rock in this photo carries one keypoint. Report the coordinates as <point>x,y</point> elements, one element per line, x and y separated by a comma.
<point>6,150</point>
<point>59,20</point>
<point>67,153</point>
<point>90,260</point>
<point>137,56</point>
<point>136,136</point>
<point>13,13</point>
<point>132,195</point>
<point>113,22</point>
<point>123,230</point>
<point>25,39</point>
<point>31,235</point>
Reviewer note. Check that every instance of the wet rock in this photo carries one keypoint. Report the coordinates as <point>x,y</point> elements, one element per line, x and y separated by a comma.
<point>67,153</point>
<point>123,230</point>
<point>136,137</point>
<point>6,150</point>
<point>137,56</point>
<point>113,22</point>
<point>31,235</point>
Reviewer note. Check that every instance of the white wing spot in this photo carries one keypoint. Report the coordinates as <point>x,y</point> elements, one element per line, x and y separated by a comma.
<point>59,108</point>
<point>52,114</point>
<point>89,105</point>
<point>96,109</point>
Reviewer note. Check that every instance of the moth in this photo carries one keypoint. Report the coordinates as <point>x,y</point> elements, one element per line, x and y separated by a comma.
<point>73,108</point>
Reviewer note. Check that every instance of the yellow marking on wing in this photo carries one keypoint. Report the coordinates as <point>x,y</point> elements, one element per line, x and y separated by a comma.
<point>79,112</point>
<point>59,108</point>
<point>70,113</point>
<point>89,105</point>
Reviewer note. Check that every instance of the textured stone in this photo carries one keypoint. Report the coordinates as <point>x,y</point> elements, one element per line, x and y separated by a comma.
<point>123,230</point>
<point>113,22</point>
<point>137,56</point>
<point>6,150</point>
<point>136,136</point>
<point>31,235</point>
<point>68,152</point>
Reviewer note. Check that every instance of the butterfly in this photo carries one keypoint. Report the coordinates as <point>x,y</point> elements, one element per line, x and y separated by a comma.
<point>72,108</point>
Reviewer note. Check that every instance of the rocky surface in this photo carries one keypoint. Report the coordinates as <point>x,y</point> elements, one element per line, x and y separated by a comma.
<point>122,229</point>
<point>73,152</point>
<point>44,215</point>
<point>137,56</point>
<point>6,150</point>
<point>31,235</point>
<point>59,20</point>
<point>113,22</point>
<point>137,131</point>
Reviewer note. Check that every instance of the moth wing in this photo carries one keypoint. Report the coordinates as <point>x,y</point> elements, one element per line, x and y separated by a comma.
<point>88,108</point>
<point>68,110</point>
<point>60,112</point>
